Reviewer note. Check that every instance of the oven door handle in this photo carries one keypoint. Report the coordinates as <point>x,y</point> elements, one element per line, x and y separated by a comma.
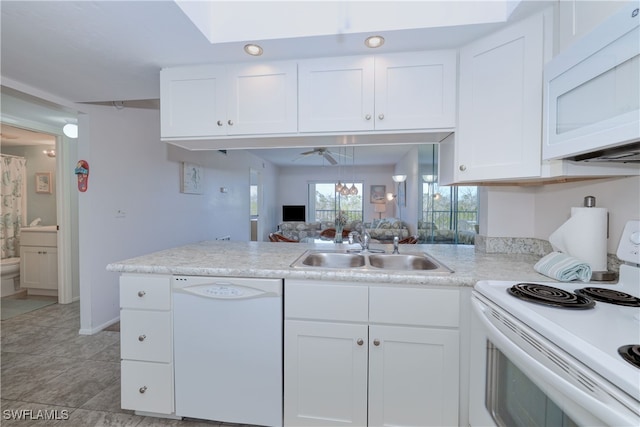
<point>556,385</point>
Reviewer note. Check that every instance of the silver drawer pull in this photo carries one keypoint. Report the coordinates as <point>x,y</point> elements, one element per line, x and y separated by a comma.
<point>142,389</point>
<point>142,338</point>
<point>219,123</point>
<point>367,117</point>
<point>141,293</point>
<point>360,341</point>
<point>380,116</point>
<point>376,342</point>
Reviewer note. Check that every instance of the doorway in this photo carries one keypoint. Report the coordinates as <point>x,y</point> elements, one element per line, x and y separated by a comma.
<point>27,114</point>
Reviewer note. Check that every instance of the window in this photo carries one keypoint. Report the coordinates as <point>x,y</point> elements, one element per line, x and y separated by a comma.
<point>449,214</point>
<point>253,201</point>
<point>325,202</point>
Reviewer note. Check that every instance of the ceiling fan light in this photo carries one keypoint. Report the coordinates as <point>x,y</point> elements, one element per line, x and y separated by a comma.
<point>70,130</point>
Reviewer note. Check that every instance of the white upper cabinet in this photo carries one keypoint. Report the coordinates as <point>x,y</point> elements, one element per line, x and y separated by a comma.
<point>384,92</point>
<point>240,99</point>
<point>336,94</point>
<point>500,107</point>
<point>192,100</point>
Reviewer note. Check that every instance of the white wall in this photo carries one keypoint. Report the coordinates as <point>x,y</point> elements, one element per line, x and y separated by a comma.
<point>538,211</point>
<point>132,171</point>
<point>621,196</point>
<point>293,185</point>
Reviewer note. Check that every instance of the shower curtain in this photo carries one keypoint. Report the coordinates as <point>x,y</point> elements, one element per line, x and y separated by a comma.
<point>13,206</point>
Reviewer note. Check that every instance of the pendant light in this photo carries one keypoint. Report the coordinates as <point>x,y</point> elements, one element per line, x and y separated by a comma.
<point>353,190</point>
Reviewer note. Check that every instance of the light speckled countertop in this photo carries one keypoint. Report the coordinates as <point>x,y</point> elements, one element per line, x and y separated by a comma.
<point>266,259</point>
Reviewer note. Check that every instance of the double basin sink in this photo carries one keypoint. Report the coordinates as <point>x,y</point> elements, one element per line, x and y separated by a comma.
<point>371,261</point>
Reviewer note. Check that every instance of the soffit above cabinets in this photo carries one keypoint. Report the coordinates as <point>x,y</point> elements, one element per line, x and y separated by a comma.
<point>114,50</point>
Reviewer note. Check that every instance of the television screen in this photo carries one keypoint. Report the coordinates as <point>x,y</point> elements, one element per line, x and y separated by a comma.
<point>293,213</point>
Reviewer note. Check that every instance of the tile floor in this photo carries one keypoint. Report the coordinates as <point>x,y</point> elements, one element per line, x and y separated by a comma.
<point>47,366</point>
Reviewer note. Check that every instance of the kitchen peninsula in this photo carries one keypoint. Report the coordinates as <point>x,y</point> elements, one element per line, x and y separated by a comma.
<point>269,260</point>
<point>338,335</point>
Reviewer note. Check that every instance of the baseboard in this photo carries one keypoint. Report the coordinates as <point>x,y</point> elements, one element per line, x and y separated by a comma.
<point>99,328</point>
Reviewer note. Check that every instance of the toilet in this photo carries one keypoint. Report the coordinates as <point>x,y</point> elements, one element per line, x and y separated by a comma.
<point>10,270</point>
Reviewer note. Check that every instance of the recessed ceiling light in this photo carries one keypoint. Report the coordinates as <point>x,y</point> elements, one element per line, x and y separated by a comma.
<point>374,41</point>
<point>253,49</point>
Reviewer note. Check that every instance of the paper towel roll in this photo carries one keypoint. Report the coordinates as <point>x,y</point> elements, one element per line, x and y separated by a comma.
<point>584,236</point>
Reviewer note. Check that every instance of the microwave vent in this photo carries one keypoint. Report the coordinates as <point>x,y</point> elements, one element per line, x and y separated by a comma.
<point>629,153</point>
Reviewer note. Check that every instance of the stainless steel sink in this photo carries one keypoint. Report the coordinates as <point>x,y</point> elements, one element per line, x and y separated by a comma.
<point>403,262</point>
<point>370,261</point>
<point>333,260</point>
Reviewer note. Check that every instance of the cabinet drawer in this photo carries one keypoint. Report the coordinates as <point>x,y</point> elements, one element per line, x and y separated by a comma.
<point>145,335</point>
<point>421,307</point>
<point>38,238</point>
<point>147,386</point>
<point>145,292</point>
<point>311,300</point>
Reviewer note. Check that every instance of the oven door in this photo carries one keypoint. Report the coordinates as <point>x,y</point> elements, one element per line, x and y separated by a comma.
<point>520,379</point>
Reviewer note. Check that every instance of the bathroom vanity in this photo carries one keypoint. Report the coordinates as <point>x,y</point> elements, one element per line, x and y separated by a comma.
<point>39,260</point>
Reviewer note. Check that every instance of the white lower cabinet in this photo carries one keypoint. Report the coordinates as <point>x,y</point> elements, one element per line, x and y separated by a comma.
<point>346,368</point>
<point>325,374</point>
<point>146,344</point>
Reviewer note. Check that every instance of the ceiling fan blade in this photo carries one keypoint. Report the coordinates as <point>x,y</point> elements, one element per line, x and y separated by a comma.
<point>330,159</point>
<point>306,153</point>
<point>338,154</point>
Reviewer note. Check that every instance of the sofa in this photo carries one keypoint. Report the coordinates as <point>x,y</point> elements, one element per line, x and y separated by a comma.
<point>428,232</point>
<point>383,230</point>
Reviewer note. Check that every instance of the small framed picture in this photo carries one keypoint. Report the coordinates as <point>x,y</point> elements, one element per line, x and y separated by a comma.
<point>43,182</point>
<point>192,179</point>
<point>378,194</point>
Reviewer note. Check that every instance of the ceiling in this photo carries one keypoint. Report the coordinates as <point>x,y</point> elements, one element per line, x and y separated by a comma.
<point>106,51</point>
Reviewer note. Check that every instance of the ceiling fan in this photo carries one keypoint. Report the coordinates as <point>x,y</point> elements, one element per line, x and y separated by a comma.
<point>324,152</point>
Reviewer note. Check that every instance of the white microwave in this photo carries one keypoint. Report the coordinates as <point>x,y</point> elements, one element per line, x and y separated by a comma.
<point>592,93</point>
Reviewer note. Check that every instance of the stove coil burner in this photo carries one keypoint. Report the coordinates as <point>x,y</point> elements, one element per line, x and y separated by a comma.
<point>610,295</point>
<point>631,353</point>
<point>547,295</point>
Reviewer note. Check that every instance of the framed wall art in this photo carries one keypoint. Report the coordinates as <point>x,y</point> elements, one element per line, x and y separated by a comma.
<point>43,182</point>
<point>192,179</point>
<point>378,194</point>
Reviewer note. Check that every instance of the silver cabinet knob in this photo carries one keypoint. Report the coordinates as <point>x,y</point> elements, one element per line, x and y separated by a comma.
<point>230,122</point>
<point>462,168</point>
<point>376,342</point>
<point>380,116</point>
<point>141,293</point>
<point>142,389</point>
<point>142,338</point>
<point>219,123</point>
<point>367,117</point>
<point>360,341</point>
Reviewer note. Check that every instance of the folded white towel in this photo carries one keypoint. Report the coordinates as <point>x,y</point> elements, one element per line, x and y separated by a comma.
<point>563,267</point>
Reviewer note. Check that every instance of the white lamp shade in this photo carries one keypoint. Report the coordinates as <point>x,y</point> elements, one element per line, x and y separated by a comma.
<point>390,196</point>
<point>70,130</point>
<point>399,178</point>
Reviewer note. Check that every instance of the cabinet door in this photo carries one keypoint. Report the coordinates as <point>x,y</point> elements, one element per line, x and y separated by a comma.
<point>499,131</point>
<point>262,99</point>
<point>336,94</point>
<point>413,376</point>
<point>193,101</point>
<point>31,266</point>
<point>415,90</point>
<point>325,374</point>
<point>39,267</point>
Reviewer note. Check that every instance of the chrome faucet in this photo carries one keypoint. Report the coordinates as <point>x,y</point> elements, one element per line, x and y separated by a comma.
<point>363,238</point>
<point>396,241</point>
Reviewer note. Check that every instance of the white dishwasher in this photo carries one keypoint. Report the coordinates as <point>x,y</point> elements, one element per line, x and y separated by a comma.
<point>228,349</point>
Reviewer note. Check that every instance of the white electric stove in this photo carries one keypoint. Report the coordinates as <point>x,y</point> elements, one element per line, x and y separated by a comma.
<point>577,343</point>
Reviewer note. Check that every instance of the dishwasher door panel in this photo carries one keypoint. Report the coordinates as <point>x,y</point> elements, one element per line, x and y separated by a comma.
<point>228,353</point>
